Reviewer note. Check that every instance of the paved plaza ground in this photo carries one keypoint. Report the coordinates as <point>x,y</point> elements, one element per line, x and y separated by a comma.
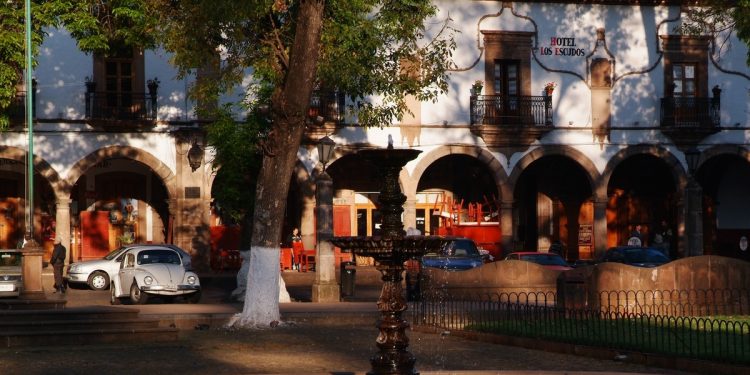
<point>314,339</point>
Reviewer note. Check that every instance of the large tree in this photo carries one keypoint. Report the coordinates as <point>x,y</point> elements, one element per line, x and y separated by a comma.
<point>360,47</point>
<point>720,19</point>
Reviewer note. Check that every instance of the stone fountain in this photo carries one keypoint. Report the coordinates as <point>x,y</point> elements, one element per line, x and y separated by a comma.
<point>390,251</point>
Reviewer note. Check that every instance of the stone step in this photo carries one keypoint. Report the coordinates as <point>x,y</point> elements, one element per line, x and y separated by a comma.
<point>31,304</point>
<point>80,326</point>
<point>88,337</point>
<point>74,313</point>
<point>75,325</point>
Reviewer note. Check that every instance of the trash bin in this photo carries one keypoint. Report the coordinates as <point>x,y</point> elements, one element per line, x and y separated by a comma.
<point>348,274</point>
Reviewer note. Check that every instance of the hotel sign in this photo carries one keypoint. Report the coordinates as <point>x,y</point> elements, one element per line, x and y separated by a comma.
<point>559,46</point>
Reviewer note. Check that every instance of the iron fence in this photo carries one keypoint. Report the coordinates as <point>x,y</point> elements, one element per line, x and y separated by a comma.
<point>633,322</point>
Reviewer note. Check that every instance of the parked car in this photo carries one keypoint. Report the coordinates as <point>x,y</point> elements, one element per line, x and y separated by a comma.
<point>455,255</point>
<point>547,260</point>
<point>634,256</point>
<point>154,271</point>
<point>11,281</point>
<point>97,273</point>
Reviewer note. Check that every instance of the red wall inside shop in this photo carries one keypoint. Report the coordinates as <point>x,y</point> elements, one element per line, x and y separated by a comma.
<point>487,236</point>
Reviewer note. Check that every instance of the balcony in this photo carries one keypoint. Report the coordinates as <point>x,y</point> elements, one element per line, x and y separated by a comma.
<point>118,108</point>
<point>687,120</point>
<point>16,111</point>
<point>327,109</point>
<point>515,120</point>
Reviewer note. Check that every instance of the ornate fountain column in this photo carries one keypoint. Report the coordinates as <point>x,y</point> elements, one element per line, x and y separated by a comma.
<point>390,251</point>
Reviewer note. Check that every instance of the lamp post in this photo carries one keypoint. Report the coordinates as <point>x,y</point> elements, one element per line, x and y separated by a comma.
<point>694,194</point>
<point>32,251</point>
<point>325,288</point>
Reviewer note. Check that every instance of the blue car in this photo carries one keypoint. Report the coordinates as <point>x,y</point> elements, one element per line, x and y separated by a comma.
<point>634,256</point>
<point>457,254</point>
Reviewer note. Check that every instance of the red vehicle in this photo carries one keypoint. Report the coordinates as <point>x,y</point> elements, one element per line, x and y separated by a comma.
<point>547,260</point>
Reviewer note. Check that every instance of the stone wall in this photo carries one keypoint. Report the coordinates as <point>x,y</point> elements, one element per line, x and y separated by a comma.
<point>703,285</point>
<point>505,277</point>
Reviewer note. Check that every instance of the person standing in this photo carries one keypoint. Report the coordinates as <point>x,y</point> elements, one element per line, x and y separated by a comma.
<point>58,261</point>
<point>297,249</point>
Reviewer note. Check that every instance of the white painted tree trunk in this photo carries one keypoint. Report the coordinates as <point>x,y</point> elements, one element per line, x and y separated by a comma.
<point>261,308</point>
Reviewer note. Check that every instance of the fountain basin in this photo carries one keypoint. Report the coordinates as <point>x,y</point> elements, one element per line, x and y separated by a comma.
<point>390,249</point>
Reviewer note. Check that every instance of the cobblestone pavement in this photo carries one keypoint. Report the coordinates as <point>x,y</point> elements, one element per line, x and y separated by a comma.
<point>293,348</point>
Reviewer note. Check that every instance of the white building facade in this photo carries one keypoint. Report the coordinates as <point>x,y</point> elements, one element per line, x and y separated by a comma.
<point>643,127</point>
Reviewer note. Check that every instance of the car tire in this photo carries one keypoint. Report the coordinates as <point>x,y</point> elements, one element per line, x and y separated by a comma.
<point>193,297</point>
<point>113,299</point>
<point>136,295</point>
<point>98,280</point>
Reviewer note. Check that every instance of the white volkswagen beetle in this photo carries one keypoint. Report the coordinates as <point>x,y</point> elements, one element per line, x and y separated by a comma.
<point>154,271</point>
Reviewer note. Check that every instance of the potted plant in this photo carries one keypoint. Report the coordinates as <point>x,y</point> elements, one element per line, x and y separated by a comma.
<point>153,85</point>
<point>476,87</point>
<point>90,84</point>
<point>549,88</point>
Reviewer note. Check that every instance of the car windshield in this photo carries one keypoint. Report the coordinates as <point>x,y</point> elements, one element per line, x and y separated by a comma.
<point>544,259</point>
<point>460,248</point>
<point>112,254</point>
<point>10,259</point>
<point>158,256</point>
<point>643,256</point>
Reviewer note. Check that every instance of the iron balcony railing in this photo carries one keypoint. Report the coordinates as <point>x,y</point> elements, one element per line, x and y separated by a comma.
<point>690,112</point>
<point>120,106</point>
<point>511,110</point>
<point>16,111</point>
<point>328,105</point>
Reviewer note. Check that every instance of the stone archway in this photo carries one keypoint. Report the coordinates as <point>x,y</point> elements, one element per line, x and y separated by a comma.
<point>123,194</point>
<point>47,224</point>
<point>160,169</point>
<point>554,202</point>
<point>641,192</point>
<point>723,174</point>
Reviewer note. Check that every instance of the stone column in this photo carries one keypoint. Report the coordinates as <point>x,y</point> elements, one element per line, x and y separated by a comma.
<point>31,271</point>
<point>600,226</point>
<point>307,224</point>
<point>410,213</point>
<point>324,288</point>
<point>62,226</point>
<point>694,220</point>
<point>506,226</point>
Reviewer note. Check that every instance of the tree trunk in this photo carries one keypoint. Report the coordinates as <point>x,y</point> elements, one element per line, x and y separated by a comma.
<point>289,105</point>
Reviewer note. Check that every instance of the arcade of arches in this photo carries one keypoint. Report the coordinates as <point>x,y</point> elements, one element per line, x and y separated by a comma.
<point>114,196</point>
<point>553,194</point>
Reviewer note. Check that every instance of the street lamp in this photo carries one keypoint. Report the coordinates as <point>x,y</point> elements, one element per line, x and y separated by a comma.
<point>325,146</point>
<point>324,288</point>
<point>195,155</point>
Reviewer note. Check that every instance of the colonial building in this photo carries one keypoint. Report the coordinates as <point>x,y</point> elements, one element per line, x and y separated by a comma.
<point>569,121</point>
